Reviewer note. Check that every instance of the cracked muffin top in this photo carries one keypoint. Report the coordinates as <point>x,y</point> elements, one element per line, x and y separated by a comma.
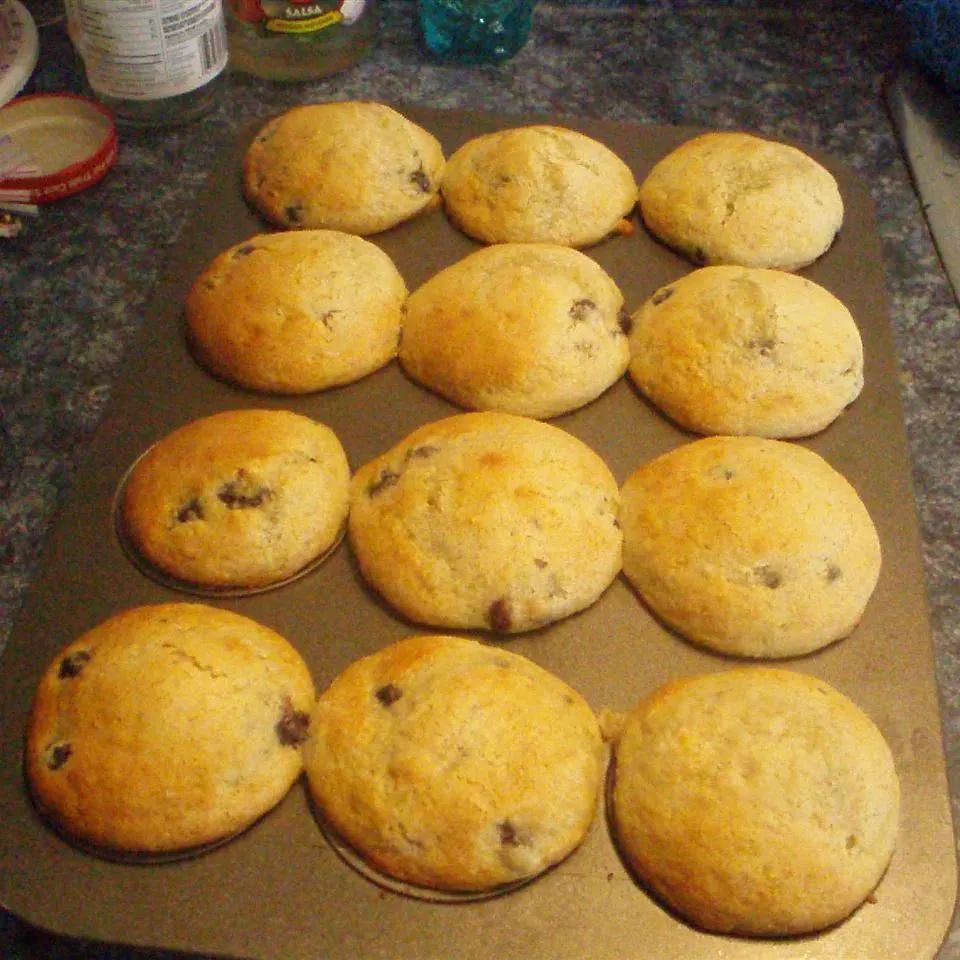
<point>526,328</point>
<point>240,499</point>
<point>296,311</point>
<point>734,198</point>
<point>748,546</point>
<point>487,521</point>
<point>454,765</point>
<point>356,166</point>
<point>744,350</point>
<point>167,728</point>
<point>755,801</point>
<point>538,184</point>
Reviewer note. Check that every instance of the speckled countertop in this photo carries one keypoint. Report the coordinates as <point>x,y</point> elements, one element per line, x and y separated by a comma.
<point>74,283</point>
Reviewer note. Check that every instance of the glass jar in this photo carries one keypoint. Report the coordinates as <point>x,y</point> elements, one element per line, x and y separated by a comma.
<point>298,39</point>
<point>475,31</point>
<point>151,62</point>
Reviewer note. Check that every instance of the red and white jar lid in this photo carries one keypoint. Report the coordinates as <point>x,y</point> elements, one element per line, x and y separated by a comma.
<point>53,146</point>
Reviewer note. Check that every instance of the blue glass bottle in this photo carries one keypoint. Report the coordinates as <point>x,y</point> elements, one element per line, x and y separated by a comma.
<point>475,31</point>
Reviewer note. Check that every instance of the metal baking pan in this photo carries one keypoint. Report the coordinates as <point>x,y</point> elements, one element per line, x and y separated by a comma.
<point>279,891</point>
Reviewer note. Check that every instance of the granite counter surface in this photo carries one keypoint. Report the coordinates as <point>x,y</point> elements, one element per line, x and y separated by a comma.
<point>74,283</point>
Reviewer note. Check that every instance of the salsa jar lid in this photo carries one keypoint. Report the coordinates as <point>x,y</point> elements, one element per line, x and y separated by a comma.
<point>53,145</point>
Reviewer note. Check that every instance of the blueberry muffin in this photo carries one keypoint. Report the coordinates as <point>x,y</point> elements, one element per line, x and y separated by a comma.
<point>749,546</point>
<point>486,521</point>
<point>755,801</point>
<point>167,728</point>
<point>296,311</point>
<point>734,198</point>
<point>453,765</point>
<point>239,499</point>
<point>356,166</point>
<point>524,328</point>
<point>538,184</point>
<point>744,350</point>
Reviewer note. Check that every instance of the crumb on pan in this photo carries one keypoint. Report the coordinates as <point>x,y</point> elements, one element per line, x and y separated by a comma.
<point>611,723</point>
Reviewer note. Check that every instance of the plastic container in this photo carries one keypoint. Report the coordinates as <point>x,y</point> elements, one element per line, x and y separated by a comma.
<point>294,40</point>
<point>152,62</point>
<point>475,31</point>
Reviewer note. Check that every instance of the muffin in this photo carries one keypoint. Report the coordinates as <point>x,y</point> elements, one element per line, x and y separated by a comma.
<point>453,765</point>
<point>749,546</point>
<point>486,521</point>
<point>734,198</point>
<point>356,166</point>
<point>239,499</point>
<point>755,801</point>
<point>167,728</point>
<point>744,350</point>
<point>523,328</point>
<point>296,312</point>
<point>538,184</point>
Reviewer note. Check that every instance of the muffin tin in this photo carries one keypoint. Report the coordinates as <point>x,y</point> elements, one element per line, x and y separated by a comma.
<point>280,891</point>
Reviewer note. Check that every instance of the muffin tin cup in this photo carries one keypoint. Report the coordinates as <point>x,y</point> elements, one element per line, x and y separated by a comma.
<point>205,591</point>
<point>353,859</point>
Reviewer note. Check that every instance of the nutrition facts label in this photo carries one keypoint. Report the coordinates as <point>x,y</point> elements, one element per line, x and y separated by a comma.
<point>148,49</point>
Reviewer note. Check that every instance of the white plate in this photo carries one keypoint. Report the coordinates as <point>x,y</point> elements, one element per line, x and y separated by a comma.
<point>19,48</point>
